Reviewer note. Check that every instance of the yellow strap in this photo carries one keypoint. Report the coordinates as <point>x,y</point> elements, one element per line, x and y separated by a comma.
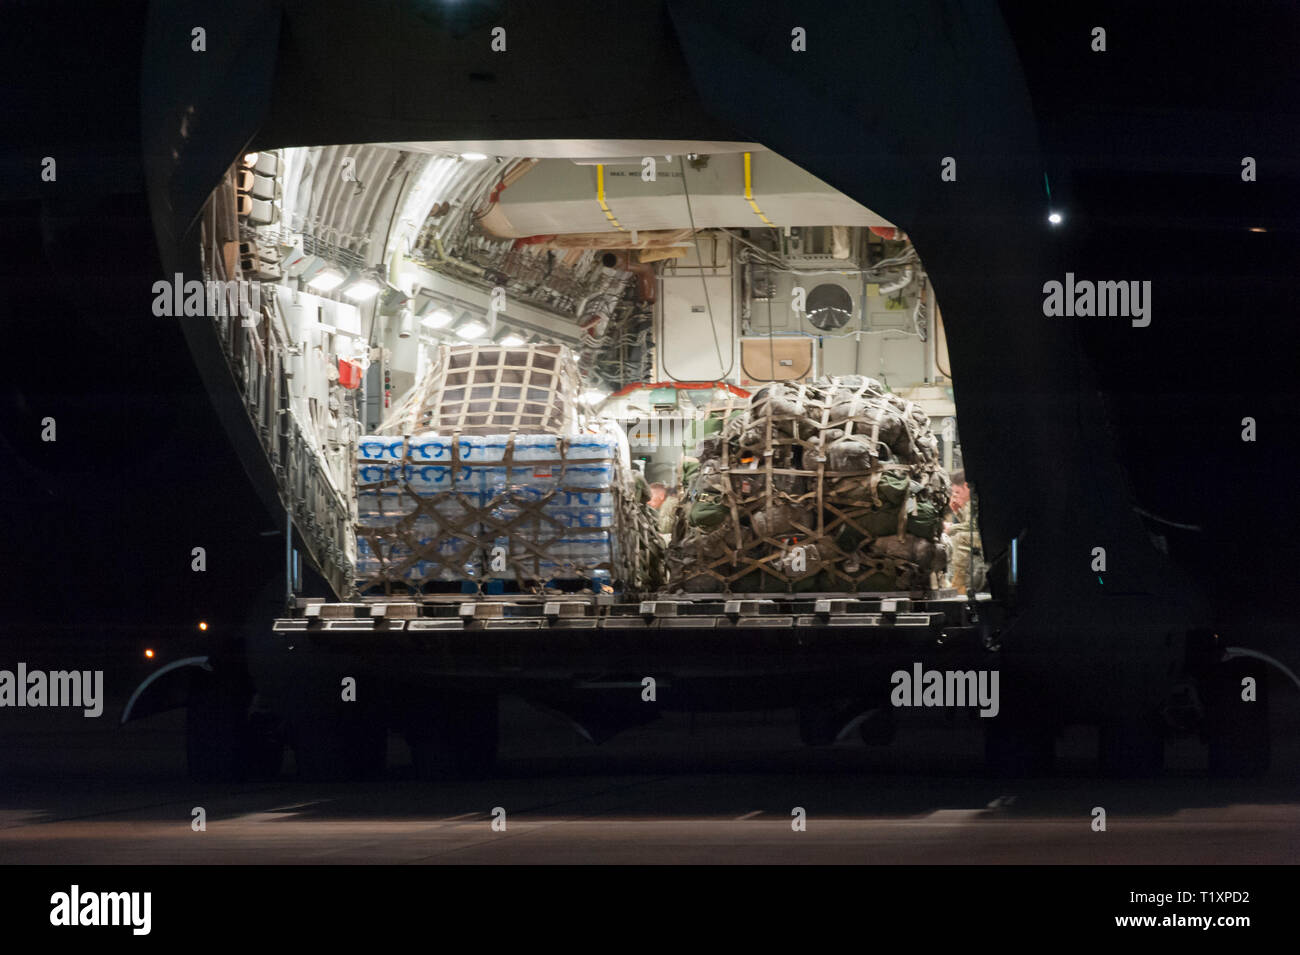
<point>600,197</point>
<point>749,193</point>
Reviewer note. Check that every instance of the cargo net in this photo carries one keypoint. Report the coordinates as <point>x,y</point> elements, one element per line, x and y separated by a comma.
<point>832,485</point>
<point>487,389</point>
<point>523,512</point>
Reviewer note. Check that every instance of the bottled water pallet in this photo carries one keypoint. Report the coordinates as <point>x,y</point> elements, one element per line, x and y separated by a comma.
<point>485,473</point>
<point>518,510</point>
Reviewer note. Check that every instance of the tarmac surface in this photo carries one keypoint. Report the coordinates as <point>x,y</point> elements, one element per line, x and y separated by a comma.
<point>715,789</point>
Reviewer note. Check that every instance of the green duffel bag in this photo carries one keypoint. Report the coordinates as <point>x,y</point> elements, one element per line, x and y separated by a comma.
<point>880,521</point>
<point>715,423</point>
<point>927,521</point>
<point>891,489</point>
<point>708,510</point>
<point>690,468</point>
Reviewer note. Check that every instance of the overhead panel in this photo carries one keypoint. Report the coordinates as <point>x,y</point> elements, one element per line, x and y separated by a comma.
<point>560,196</point>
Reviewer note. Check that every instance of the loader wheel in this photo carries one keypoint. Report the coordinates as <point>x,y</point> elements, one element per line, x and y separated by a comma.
<point>1019,748</point>
<point>224,741</point>
<point>457,737</point>
<point>340,746</point>
<point>1130,749</point>
<point>1236,730</point>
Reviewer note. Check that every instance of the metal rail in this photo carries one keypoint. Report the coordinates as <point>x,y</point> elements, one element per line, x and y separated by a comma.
<point>254,349</point>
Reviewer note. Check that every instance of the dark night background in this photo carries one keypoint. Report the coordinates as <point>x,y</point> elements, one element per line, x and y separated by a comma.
<point>1142,146</point>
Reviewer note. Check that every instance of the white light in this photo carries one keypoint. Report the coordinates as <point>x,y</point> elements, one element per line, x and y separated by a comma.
<point>471,329</point>
<point>438,318</point>
<point>326,280</point>
<point>594,398</point>
<point>361,290</point>
<point>474,157</point>
<point>250,159</point>
<point>512,340</point>
<point>1054,218</point>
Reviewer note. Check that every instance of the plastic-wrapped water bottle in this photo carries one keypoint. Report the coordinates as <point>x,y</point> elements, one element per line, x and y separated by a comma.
<point>456,559</point>
<point>519,503</point>
<point>537,447</point>
<point>591,446</point>
<point>380,447</point>
<point>566,517</point>
<point>589,474</point>
<point>478,448</point>
<point>428,480</point>
<point>602,500</point>
<point>594,517</point>
<point>368,563</point>
<point>430,448</point>
<point>585,551</point>
<point>539,475</point>
<point>493,480</point>
<point>444,484</point>
<point>373,473</point>
<point>382,507</point>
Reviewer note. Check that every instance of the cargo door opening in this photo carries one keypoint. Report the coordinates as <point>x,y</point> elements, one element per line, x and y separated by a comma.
<point>409,324</point>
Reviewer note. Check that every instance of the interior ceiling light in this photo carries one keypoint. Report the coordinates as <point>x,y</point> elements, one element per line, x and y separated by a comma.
<point>435,317</point>
<point>470,327</point>
<point>362,289</point>
<point>326,280</point>
<point>593,398</point>
<point>509,338</point>
<point>473,157</point>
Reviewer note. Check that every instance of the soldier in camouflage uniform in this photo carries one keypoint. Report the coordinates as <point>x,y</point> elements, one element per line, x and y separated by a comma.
<point>668,511</point>
<point>967,568</point>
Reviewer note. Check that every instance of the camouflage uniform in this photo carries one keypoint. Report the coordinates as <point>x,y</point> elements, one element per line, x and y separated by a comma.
<point>668,513</point>
<point>967,551</point>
